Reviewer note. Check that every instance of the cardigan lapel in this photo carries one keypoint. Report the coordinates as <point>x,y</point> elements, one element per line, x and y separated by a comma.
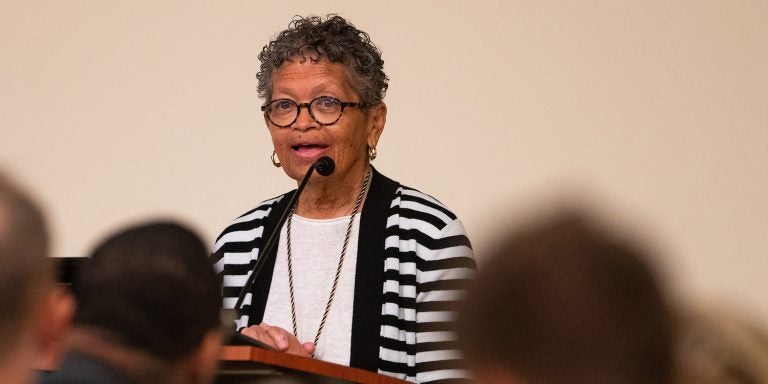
<point>369,277</point>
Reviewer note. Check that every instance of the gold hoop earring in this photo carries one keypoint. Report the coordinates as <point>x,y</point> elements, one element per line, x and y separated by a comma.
<point>275,160</point>
<point>371,153</point>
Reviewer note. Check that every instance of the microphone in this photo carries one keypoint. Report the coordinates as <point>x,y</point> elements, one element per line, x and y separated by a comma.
<point>325,167</point>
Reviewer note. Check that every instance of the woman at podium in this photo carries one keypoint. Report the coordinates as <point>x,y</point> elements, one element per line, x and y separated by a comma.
<point>366,271</point>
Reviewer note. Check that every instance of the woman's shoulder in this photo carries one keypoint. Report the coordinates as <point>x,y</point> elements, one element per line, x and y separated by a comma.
<point>410,200</point>
<point>253,218</point>
<point>264,206</point>
<point>409,197</point>
<point>418,216</point>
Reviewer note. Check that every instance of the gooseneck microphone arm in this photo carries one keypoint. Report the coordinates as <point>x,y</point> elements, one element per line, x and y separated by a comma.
<point>324,166</point>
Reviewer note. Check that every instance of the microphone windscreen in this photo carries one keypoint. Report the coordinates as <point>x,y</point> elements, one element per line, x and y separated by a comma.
<point>325,166</point>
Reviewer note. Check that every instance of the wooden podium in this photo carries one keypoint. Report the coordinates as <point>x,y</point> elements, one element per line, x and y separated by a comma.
<point>245,365</point>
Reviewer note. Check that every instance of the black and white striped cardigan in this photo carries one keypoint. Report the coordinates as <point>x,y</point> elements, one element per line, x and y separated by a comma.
<point>414,262</point>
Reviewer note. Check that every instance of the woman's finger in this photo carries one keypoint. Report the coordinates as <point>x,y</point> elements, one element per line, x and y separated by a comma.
<point>257,333</point>
<point>280,337</point>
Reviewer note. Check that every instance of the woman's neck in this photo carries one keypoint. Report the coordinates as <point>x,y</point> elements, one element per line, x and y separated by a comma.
<point>329,198</point>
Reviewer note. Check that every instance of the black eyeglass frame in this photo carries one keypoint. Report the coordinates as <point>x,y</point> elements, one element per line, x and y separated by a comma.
<point>344,104</point>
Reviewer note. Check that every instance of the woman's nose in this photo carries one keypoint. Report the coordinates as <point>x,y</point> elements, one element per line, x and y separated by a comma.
<point>304,120</point>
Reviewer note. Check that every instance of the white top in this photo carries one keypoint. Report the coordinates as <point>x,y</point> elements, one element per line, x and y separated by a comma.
<point>316,248</point>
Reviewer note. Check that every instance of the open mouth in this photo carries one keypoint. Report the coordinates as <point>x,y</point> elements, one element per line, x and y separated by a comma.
<point>309,149</point>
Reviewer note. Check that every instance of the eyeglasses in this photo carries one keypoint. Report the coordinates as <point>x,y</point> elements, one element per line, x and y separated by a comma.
<point>325,110</point>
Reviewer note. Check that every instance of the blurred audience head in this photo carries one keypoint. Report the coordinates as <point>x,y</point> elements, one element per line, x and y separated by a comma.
<point>26,280</point>
<point>150,290</point>
<point>564,300</point>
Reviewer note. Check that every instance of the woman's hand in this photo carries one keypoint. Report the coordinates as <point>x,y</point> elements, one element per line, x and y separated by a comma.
<point>280,339</point>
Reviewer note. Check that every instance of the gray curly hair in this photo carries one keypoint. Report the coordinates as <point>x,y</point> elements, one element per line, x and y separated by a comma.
<point>334,39</point>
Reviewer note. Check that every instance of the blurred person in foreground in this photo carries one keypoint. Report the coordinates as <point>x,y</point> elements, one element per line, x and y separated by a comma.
<point>148,311</point>
<point>565,301</point>
<point>366,270</point>
<point>719,344</point>
<point>32,317</point>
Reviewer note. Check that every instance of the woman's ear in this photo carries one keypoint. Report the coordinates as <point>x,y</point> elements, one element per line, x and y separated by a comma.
<point>378,116</point>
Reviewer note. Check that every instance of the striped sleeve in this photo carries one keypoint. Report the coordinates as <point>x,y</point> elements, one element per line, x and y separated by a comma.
<point>428,266</point>
<point>235,252</point>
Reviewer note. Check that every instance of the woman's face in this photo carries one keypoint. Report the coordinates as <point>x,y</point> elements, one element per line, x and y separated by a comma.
<point>346,141</point>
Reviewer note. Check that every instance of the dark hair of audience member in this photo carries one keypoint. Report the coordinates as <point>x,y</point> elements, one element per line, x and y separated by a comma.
<point>150,287</point>
<point>564,301</point>
<point>25,271</point>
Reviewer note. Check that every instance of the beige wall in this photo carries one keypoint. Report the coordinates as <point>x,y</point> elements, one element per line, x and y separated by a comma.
<point>657,110</point>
